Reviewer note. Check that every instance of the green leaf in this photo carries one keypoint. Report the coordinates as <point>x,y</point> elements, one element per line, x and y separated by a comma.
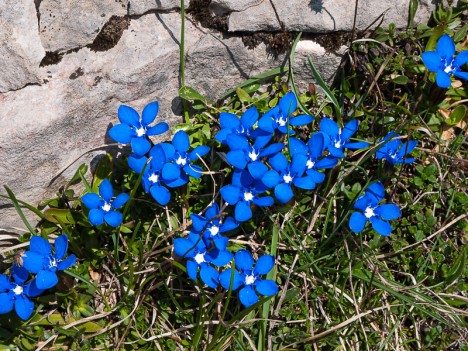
<point>18,209</point>
<point>82,169</point>
<point>458,267</point>
<point>103,171</point>
<point>460,34</point>
<point>244,97</point>
<point>65,216</point>
<point>90,327</point>
<point>401,80</point>
<point>190,94</point>
<point>412,11</point>
<point>457,115</point>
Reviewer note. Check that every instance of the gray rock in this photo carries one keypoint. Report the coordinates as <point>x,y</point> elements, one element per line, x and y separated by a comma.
<point>234,5</point>
<point>20,47</point>
<point>259,17</point>
<point>139,7</point>
<point>70,24</point>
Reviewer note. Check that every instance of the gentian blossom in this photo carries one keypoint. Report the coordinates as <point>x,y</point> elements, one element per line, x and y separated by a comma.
<point>103,207</point>
<point>14,294</point>
<point>248,276</point>
<point>339,139</point>
<point>134,130</point>
<point>394,151</point>
<point>211,226</point>
<point>199,259</point>
<point>372,212</point>
<point>278,117</point>
<point>443,62</point>
<point>41,261</point>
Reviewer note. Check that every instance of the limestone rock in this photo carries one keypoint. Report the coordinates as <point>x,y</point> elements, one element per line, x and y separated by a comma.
<point>251,20</point>
<point>234,5</point>
<point>139,7</point>
<point>70,24</point>
<point>20,47</point>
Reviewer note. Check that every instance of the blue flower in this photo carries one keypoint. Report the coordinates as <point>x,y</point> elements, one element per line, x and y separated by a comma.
<point>285,174</point>
<point>248,276</point>
<point>14,294</point>
<point>377,214</point>
<point>245,190</point>
<point>182,159</point>
<point>443,62</point>
<point>314,151</point>
<point>211,226</point>
<point>41,261</point>
<point>199,258</point>
<point>278,117</point>
<point>231,124</point>
<point>339,139</point>
<point>394,151</point>
<point>156,172</point>
<point>102,207</point>
<point>134,130</point>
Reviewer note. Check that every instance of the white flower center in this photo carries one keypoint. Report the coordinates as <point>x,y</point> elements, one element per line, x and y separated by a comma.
<point>53,263</point>
<point>287,178</point>
<point>248,196</point>
<point>338,143</point>
<point>18,290</point>
<point>214,230</point>
<point>181,161</point>
<point>448,68</point>
<point>369,212</point>
<point>310,164</point>
<point>199,258</point>
<point>250,279</point>
<point>281,121</point>
<point>106,207</point>
<point>153,178</point>
<point>253,155</point>
<point>393,155</point>
<point>140,131</point>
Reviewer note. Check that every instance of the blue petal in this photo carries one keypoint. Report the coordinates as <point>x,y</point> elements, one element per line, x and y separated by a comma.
<point>329,127</point>
<point>356,145</point>
<point>266,287</point>
<point>244,260</point>
<point>225,279</point>
<point>297,146</point>
<point>362,202</point>
<point>40,245</point>
<point>32,290</point>
<point>6,303</point>
<point>264,264</point>
<point>283,192</point>
<point>376,191</point>
<point>32,261</point>
<point>198,222</point>
<point>349,129</point>
<point>96,217</point>
<point>335,152</point>
<point>230,194</point>
<point>406,148</point>
<point>4,283</point>
<point>380,226</point>
<point>120,200</point>
<point>316,145</point>
<point>266,121</point>
<point>46,279</point>
<point>249,117</point>
<point>443,79</point>
<point>247,296</point>
<point>160,194</point>
<point>229,121</point>
<point>263,201</point>
<point>316,176</point>
<point>91,200</point>
<point>445,46</point>
<point>432,60</point>
<point>272,149</point>
<point>113,218</point>
<point>271,179</point>
<point>237,158</point>
<point>301,120</point>
<point>105,190</point>
<point>168,151</point>
<point>192,269</point>
<point>140,145</point>
<point>228,224</point>
<point>237,142</point>
<point>66,263</point>
<point>137,163</point>
<point>209,276</point>
<point>19,273</point>
<point>159,128</point>
<point>222,257</point>
<point>158,157</point>
<point>170,171</point>
<point>461,59</point>
<point>181,141</point>
<point>121,133</point>
<point>222,135</point>
<point>149,113</point>
<point>242,178</point>
<point>23,307</point>
<point>388,211</point>
<point>278,162</point>
<point>61,246</point>
<point>199,151</point>
<point>128,116</point>
<point>197,241</point>
<point>242,212</point>
<point>327,162</point>
<point>221,242</point>
<point>298,164</point>
<point>212,211</point>
<point>357,221</point>
<point>288,104</point>
<point>184,247</point>
<point>306,183</point>
<point>257,169</point>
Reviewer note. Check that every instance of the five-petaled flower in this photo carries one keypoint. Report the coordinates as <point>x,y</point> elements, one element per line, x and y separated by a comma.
<point>134,130</point>
<point>41,261</point>
<point>248,276</point>
<point>14,294</point>
<point>394,151</point>
<point>339,139</point>
<point>102,207</point>
<point>371,211</point>
<point>443,62</point>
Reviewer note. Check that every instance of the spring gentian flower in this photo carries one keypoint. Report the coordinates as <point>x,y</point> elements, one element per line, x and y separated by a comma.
<point>245,190</point>
<point>278,117</point>
<point>339,139</point>
<point>211,226</point>
<point>443,62</point>
<point>14,294</point>
<point>394,151</point>
<point>102,207</point>
<point>134,130</point>
<point>198,258</point>
<point>41,261</point>
<point>248,276</point>
<point>285,174</point>
<point>371,211</point>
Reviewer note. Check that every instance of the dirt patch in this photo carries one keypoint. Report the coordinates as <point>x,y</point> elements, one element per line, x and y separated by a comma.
<point>110,33</point>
